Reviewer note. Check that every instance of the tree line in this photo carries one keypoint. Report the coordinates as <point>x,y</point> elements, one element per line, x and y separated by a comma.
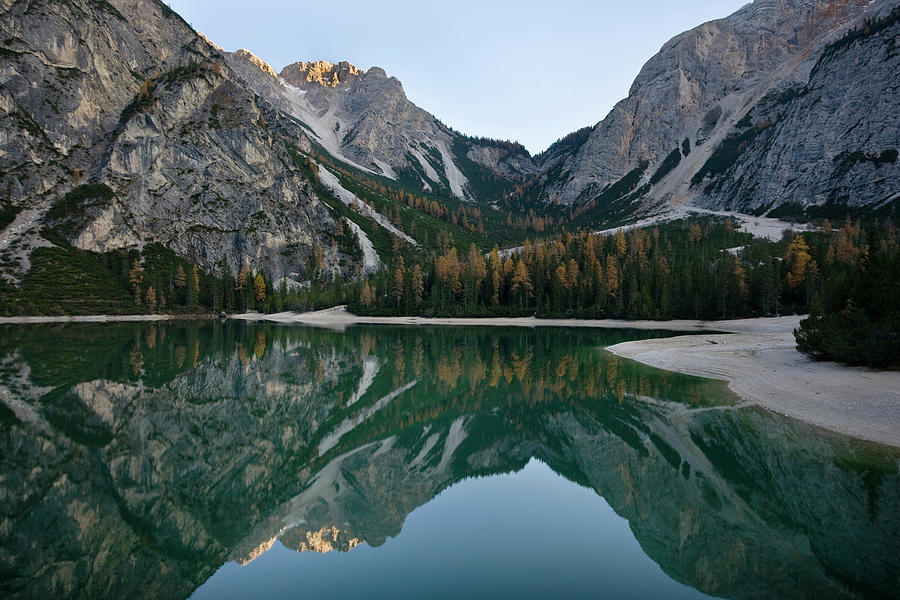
<point>855,317</point>
<point>698,268</point>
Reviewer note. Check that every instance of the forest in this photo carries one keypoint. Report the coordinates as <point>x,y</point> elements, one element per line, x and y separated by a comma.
<point>702,268</point>
<point>695,268</point>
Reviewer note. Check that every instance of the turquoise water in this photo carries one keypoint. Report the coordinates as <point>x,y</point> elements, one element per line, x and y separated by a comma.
<point>235,460</point>
<point>544,536</point>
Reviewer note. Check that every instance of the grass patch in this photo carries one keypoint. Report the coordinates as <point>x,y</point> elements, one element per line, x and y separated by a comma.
<point>66,281</point>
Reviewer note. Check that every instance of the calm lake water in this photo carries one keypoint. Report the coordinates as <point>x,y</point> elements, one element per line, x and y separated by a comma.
<point>235,460</point>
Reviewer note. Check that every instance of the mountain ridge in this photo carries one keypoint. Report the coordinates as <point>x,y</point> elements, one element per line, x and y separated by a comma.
<point>133,129</point>
<point>784,42</point>
<point>163,124</point>
<point>702,83</point>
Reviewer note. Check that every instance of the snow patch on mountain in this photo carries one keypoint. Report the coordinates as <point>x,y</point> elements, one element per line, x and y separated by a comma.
<point>371,260</point>
<point>331,181</point>
<point>458,181</point>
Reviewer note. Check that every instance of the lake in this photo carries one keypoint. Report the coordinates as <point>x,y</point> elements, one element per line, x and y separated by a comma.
<point>242,460</point>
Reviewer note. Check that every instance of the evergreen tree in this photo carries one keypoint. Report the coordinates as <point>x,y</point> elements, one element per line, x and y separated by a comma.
<point>259,288</point>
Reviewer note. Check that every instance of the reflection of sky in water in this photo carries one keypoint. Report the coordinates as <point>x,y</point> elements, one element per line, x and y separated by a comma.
<point>530,534</point>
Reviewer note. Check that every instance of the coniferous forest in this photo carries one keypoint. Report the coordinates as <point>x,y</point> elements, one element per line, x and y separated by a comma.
<point>696,268</point>
<point>699,268</point>
<point>855,318</point>
<point>845,276</point>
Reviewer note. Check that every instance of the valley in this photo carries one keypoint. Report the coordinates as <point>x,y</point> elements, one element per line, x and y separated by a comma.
<point>211,154</point>
<point>272,332</point>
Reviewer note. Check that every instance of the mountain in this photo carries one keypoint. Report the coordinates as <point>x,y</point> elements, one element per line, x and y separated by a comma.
<point>778,79</point>
<point>776,104</point>
<point>366,120</point>
<point>124,127</point>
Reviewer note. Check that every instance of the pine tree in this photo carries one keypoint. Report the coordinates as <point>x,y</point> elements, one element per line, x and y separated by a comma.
<point>243,277</point>
<point>418,285</point>
<point>612,277</point>
<point>448,271</point>
<point>242,286</point>
<point>473,275</point>
<point>259,288</point>
<point>135,277</point>
<point>521,284</point>
<point>366,295</point>
<point>797,259</point>
<point>495,275</point>
<point>151,299</point>
<point>621,244</point>
<point>399,274</point>
<point>194,288</point>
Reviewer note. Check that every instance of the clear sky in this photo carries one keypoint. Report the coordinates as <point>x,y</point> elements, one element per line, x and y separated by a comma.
<point>525,70</point>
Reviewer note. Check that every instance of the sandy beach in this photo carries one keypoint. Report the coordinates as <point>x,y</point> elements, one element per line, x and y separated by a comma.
<point>761,364</point>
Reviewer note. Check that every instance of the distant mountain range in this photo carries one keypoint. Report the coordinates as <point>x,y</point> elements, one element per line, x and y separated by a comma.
<point>124,127</point>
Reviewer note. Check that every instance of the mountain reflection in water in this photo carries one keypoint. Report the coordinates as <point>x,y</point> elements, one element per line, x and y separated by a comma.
<point>136,459</point>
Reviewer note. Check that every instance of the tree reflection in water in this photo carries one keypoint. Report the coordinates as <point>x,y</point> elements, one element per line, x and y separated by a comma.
<point>138,458</point>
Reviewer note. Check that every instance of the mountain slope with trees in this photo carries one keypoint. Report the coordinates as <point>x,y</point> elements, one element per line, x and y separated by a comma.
<point>146,169</point>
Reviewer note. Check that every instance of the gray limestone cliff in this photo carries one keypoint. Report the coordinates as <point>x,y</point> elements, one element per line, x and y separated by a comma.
<point>831,142</point>
<point>123,127</point>
<point>366,119</point>
<point>771,62</point>
<point>126,96</point>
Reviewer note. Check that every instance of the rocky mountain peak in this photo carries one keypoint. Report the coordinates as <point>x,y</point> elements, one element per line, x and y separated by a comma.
<point>257,61</point>
<point>322,72</point>
<point>376,72</point>
<point>706,81</point>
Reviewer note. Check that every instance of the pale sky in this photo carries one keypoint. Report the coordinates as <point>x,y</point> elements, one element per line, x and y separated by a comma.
<point>521,70</point>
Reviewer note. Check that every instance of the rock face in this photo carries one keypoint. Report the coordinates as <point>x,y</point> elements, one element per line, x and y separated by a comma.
<point>771,63</point>
<point>365,119</point>
<point>322,72</point>
<point>127,95</point>
<point>257,62</point>
<point>832,141</point>
<point>163,137</point>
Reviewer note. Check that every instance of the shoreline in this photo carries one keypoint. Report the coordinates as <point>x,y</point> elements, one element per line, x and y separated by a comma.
<point>765,369</point>
<point>46,319</point>
<point>339,318</point>
<point>756,357</point>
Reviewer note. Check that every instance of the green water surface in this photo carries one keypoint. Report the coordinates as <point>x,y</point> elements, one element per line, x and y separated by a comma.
<point>233,460</point>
